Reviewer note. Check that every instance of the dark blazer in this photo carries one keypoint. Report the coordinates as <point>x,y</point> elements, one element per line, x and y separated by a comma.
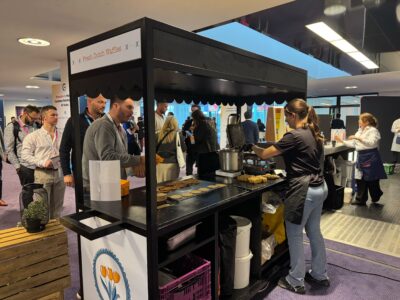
<point>67,142</point>
<point>205,139</point>
<point>337,124</point>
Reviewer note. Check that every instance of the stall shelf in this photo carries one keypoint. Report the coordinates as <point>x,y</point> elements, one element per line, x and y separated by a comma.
<point>151,60</point>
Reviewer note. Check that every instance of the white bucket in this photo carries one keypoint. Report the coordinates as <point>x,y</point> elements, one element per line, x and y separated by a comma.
<point>242,236</point>
<point>242,271</point>
<point>347,195</point>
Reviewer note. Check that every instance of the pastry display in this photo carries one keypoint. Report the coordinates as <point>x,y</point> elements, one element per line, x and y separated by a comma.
<point>187,194</point>
<point>175,197</point>
<point>272,176</point>
<point>196,192</point>
<point>257,179</point>
<point>161,197</point>
<point>172,186</point>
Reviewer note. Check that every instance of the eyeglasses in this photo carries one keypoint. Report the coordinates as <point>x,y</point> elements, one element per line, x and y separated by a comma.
<point>32,118</point>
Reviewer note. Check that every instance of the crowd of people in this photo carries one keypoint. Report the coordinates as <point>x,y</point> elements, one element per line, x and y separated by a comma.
<point>38,153</point>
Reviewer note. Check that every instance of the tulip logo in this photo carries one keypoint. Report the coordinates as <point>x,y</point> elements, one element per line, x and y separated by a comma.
<point>109,276</point>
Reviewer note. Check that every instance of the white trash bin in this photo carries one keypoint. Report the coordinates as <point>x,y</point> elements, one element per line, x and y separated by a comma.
<point>242,236</point>
<point>348,194</point>
<point>242,271</point>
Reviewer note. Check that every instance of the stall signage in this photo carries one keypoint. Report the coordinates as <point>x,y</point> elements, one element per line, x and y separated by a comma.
<point>121,48</point>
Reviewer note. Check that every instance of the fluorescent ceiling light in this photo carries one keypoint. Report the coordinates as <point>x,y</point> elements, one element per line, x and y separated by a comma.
<point>31,99</point>
<point>1,95</point>
<point>31,86</point>
<point>344,45</point>
<point>34,42</point>
<point>334,7</point>
<point>358,56</point>
<point>351,87</point>
<point>369,64</point>
<point>324,31</point>
<point>328,34</point>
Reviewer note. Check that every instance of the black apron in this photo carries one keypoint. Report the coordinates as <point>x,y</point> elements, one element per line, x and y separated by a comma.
<point>370,163</point>
<point>295,198</point>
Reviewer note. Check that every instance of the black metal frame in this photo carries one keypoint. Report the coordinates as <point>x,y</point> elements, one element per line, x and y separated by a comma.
<point>266,80</point>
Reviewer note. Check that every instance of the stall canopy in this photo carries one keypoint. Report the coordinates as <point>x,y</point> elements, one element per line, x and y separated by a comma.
<point>186,68</point>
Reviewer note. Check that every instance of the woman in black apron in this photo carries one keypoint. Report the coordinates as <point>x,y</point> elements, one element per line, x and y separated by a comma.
<point>302,149</point>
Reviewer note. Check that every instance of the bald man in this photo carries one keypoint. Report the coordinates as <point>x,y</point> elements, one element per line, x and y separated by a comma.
<point>94,110</point>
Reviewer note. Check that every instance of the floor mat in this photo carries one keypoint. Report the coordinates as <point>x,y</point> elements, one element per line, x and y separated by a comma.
<point>369,234</point>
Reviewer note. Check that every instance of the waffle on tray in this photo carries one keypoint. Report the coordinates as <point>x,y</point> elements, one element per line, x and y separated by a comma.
<point>257,179</point>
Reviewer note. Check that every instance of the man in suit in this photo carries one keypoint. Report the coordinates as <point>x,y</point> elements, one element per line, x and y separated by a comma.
<point>250,129</point>
<point>94,110</point>
<point>337,123</point>
<point>106,140</point>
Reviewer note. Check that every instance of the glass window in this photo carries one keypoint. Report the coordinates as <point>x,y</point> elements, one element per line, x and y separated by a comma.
<point>322,101</point>
<point>350,100</point>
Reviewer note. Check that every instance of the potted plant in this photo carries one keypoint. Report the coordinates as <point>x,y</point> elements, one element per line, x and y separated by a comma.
<point>34,215</point>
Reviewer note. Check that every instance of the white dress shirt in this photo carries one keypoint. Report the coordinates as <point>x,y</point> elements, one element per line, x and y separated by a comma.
<point>159,122</point>
<point>39,146</point>
<point>395,127</point>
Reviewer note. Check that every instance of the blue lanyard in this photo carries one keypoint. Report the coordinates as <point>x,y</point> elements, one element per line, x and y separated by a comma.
<point>88,120</point>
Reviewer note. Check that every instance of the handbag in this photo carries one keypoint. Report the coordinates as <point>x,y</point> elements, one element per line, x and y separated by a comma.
<point>179,153</point>
<point>398,139</point>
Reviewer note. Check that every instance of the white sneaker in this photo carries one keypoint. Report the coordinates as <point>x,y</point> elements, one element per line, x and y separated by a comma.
<point>78,296</point>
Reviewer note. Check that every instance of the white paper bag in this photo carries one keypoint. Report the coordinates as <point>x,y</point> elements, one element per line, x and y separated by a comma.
<point>104,178</point>
<point>179,153</point>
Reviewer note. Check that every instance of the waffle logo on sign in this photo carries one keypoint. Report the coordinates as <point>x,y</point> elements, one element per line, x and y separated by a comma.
<point>109,276</point>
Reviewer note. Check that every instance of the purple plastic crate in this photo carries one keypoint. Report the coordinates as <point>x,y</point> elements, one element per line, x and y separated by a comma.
<point>195,283</point>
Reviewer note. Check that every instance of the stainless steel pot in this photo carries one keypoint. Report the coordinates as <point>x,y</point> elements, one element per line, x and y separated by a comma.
<point>231,160</point>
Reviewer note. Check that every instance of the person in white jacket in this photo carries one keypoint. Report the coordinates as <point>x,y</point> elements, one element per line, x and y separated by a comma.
<point>396,141</point>
<point>369,166</point>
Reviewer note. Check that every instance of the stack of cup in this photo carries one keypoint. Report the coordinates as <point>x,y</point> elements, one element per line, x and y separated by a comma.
<point>243,254</point>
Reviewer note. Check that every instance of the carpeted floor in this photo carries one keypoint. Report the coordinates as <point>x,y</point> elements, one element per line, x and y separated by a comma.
<point>345,284</point>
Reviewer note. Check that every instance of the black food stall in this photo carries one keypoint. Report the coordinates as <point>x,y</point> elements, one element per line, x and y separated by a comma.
<point>122,243</point>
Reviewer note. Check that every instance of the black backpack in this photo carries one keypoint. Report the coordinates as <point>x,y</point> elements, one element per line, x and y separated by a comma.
<point>16,130</point>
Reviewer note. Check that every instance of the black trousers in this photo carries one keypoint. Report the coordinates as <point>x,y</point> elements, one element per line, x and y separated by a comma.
<point>26,175</point>
<point>363,187</point>
<point>395,157</point>
<point>190,160</point>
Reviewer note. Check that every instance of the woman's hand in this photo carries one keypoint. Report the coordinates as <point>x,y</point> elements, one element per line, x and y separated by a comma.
<point>338,139</point>
<point>352,137</point>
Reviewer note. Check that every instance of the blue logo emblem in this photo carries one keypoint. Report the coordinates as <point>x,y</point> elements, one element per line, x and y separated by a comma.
<point>109,276</point>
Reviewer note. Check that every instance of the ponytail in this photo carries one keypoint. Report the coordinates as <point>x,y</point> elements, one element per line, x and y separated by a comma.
<point>312,123</point>
<point>303,111</point>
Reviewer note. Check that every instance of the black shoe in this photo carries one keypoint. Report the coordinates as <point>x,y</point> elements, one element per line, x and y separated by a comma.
<point>360,203</point>
<point>283,283</point>
<point>312,280</point>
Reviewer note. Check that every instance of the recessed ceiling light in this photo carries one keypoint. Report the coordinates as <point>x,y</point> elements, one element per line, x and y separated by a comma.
<point>31,99</point>
<point>31,86</point>
<point>351,87</point>
<point>34,42</point>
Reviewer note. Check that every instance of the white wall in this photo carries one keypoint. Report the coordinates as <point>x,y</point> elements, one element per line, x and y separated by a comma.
<point>392,93</point>
<point>9,107</point>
